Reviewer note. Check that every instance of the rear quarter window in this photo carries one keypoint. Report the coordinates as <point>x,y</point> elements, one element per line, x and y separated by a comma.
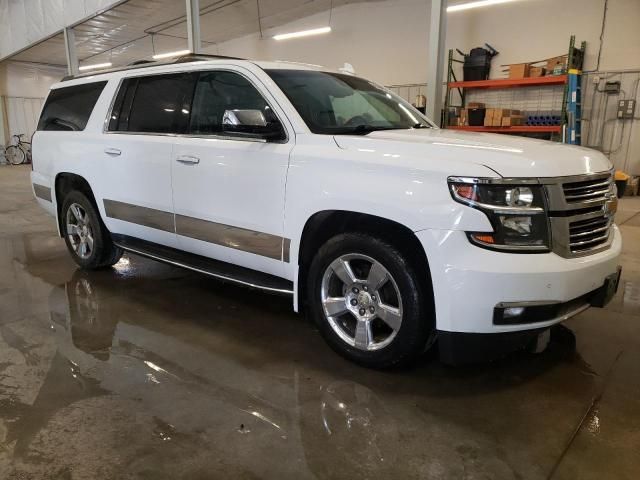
<point>69,108</point>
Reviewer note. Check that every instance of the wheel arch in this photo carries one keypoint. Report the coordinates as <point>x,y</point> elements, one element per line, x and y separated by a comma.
<point>325,224</point>
<point>65,183</point>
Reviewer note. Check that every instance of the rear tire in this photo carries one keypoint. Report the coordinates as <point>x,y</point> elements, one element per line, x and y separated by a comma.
<point>87,238</point>
<point>14,155</point>
<point>368,302</point>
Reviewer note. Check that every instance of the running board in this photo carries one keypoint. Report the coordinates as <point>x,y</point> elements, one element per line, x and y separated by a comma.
<point>214,268</point>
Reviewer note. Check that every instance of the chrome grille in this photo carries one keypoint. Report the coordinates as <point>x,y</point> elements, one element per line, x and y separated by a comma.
<point>585,235</point>
<point>586,191</point>
<point>579,213</point>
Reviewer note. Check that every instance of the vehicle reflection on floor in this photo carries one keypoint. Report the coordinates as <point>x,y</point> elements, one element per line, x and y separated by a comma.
<point>137,357</point>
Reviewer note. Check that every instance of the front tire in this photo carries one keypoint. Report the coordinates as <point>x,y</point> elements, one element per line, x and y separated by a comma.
<point>368,302</point>
<point>87,239</point>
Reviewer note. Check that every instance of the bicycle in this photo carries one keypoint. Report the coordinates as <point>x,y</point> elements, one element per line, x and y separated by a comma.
<point>19,152</point>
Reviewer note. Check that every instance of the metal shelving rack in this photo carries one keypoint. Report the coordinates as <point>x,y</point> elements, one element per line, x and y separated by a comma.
<point>568,131</point>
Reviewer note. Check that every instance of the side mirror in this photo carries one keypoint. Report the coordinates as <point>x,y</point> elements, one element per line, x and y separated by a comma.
<point>251,124</point>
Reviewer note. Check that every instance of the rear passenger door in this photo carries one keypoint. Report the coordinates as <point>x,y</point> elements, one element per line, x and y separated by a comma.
<point>147,113</point>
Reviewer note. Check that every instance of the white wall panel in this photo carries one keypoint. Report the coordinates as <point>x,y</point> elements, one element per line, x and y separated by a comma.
<point>53,16</point>
<point>34,20</point>
<point>5,30</point>
<point>97,5</point>
<point>22,115</point>
<point>73,11</point>
<point>26,22</point>
<point>17,25</point>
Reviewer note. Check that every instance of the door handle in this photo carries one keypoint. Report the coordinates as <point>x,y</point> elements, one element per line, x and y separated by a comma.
<point>187,159</point>
<point>112,151</point>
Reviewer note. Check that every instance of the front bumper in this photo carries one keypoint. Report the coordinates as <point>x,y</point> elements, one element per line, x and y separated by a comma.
<point>469,282</point>
<point>457,348</point>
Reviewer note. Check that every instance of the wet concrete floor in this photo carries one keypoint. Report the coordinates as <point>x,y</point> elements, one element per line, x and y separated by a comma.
<point>148,371</point>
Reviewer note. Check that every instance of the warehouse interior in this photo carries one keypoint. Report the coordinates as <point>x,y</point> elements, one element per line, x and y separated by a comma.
<point>146,370</point>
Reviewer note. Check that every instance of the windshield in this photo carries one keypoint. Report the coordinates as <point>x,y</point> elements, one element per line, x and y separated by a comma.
<point>334,103</point>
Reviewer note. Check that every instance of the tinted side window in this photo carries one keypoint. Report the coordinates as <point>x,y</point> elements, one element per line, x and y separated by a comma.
<point>69,108</point>
<point>220,91</point>
<point>119,120</point>
<point>161,103</point>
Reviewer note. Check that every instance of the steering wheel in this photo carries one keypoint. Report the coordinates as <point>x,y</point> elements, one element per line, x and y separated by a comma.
<point>355,121</point>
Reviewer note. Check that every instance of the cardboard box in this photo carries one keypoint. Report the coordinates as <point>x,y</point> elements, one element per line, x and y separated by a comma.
<point>499,114</point>
<point>488,117</point>
<point>519,70</point>
<point>463,121</point>
<point>554,62</point>
<point>537,71</point>
<point>476,105</point>
<point>512,121</point>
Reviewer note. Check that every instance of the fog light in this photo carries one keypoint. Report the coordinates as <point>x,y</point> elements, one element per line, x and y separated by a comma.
<point>512,312</point>
<point>521,225</point>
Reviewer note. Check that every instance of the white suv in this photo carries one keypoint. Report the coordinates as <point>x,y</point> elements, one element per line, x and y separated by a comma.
<point>329,188</point>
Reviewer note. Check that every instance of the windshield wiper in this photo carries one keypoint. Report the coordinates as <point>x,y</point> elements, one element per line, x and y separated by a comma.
<point>420,125</point>
<point>362,130</point>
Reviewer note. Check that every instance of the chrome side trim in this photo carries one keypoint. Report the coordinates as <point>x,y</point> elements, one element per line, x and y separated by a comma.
<point>148,217</point>
<point>42,192</point>
<point>251,241</point>
<point>205,272</point>
<point>286,248</point>
<point>186,135</point>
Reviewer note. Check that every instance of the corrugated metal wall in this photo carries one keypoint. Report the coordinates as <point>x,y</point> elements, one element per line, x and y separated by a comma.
<point>25,22</point>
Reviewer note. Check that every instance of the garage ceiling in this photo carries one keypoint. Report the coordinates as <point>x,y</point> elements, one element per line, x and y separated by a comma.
<point>135,29</point>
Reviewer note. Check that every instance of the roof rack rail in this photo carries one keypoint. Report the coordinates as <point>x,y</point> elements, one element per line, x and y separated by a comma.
<point>196,57</point>
<point>190,57</point>
<point>139,62</point>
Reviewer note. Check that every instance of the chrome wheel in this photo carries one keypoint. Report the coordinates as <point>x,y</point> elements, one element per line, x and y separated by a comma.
<point>361,301</point>
<point>80,231</point>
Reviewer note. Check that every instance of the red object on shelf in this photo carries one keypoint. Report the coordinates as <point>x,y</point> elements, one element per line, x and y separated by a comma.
<point>515,129</point>
<point>512,82</point>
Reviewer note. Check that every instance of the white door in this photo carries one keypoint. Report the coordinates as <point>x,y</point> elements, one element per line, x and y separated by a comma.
<point>228,190</point>
<point>136,178</point>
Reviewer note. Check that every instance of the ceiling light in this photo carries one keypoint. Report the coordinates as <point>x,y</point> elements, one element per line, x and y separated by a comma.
<point>480,3</point>
<point>303,33</point>
<point>171,54</point>
<point>95,65</point>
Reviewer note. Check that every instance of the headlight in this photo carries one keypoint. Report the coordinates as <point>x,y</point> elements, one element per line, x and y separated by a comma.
<point>516,212</point>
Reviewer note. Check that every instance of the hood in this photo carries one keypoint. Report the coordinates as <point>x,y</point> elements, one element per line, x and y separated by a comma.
<point>509,156</point>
